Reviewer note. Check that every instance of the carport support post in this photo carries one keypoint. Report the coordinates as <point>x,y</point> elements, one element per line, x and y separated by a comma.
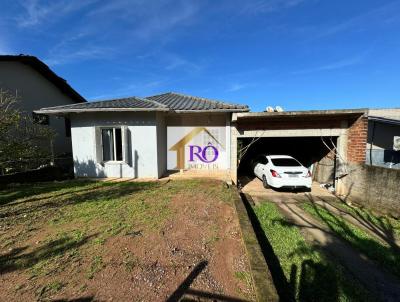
<point>334,170</point>
<point>52,159</point>
<point>228,147</point>
<point>233,154</point>
<point>342,151</point>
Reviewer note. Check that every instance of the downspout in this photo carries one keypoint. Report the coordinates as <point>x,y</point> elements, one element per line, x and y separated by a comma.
<point>371,143</point>
<point>52,158</point>
<point>334,171</point>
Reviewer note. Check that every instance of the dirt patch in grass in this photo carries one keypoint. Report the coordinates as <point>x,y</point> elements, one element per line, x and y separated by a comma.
<point>121,241</point>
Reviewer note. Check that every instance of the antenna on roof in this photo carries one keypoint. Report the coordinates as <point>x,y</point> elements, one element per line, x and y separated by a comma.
<point>272,109</point>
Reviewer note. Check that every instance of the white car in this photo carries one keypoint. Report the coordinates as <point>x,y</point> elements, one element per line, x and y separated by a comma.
<point>282,171</point>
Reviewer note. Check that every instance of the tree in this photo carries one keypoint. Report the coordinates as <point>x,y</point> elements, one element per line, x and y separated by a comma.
<point>24,143</point>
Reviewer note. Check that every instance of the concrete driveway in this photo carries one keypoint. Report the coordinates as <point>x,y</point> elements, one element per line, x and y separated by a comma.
<point>254,187</point>
<point>381,282</point>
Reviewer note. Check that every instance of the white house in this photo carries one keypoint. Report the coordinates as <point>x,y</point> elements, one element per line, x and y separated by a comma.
<point>37,86</point>
<point>144,137</point>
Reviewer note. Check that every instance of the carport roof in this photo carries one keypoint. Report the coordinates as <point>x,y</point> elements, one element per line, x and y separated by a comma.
<point>300,115</point>
<point>384,120</point>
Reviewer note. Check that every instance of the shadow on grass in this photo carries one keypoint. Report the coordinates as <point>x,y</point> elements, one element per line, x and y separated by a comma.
<point>282,285</point>
<point>12,193</point>
<point>18,260</point>
<point>102,191</point>
<point>380,227</point>
<point>379,284</point>
<point>388,256</point>
<point>185,293</point>
<point>317,281</point>
<point>306,275</point>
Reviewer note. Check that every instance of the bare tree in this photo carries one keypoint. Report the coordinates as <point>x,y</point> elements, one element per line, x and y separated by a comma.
<point>24,143</point>
<point>242,149</point>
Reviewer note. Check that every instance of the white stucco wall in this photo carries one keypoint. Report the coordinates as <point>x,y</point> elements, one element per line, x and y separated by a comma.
<point>181,126</point>
<point>142,128</point>
<point>148,133</point>
<point>35,92</point>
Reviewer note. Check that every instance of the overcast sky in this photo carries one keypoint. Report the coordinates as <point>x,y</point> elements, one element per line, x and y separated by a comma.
<point>299,54</point>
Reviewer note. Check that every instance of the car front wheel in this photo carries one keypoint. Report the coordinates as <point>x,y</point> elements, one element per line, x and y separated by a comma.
<point>265,183</point>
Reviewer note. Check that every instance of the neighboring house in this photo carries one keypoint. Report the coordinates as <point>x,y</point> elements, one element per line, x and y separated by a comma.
<point>37,86</point>
<point>145,137</point>
<point>383,130</point>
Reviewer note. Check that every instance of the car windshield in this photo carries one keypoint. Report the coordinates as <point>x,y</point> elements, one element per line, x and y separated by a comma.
<point>285,162</point>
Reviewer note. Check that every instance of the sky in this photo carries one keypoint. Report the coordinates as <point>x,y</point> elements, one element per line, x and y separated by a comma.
<point>298,54</point>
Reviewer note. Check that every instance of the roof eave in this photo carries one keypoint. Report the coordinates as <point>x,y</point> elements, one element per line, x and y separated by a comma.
<point>47,73</point>
<point>310,113</point>
<point>213,111</point>
<point>55,112</point>
<point>384,120</point>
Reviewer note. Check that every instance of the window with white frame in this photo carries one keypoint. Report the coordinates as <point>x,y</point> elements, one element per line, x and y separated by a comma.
<point>111,144</point>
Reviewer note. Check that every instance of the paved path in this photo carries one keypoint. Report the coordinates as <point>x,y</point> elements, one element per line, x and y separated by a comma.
<point>380,232</point>
<point>325,199</point>
<point>254,187</point>
<point>372,276</point>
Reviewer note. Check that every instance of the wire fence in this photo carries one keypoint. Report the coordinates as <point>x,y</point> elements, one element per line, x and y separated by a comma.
<point>65,162</point>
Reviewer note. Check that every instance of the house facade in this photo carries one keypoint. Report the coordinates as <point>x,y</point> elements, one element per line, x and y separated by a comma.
<point>146,137</point>
<point>37,86</point>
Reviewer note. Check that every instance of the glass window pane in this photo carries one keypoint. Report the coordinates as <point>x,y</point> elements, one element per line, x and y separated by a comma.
<point>118,143</point>
<point>108,144</point>
<point>285,162</point>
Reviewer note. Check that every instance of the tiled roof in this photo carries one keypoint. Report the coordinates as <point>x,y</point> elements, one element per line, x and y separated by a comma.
<point>181,102</point>
<point>163,102</point>
<point>126,104</point>
<point>45,71</point>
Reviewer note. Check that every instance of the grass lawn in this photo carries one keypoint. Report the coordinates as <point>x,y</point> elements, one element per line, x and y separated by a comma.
<point>386,255</point>
<point>309,273</point>
<point>118,240</point>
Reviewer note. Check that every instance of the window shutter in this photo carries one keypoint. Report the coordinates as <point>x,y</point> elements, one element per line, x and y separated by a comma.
<point>98,145</point>
<point>126,145</point>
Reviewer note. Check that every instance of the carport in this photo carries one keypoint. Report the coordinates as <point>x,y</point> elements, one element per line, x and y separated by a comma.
<point>319,139</point>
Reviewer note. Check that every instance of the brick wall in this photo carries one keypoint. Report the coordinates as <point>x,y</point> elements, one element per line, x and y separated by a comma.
<point>357,141</point>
